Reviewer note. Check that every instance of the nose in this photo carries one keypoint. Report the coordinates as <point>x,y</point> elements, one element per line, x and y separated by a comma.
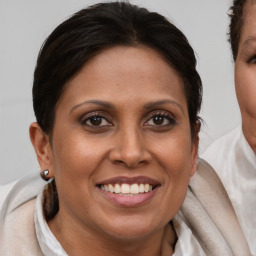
<point>130,149</point>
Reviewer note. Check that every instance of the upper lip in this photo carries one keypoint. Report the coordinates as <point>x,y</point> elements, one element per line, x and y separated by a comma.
<point>130,180</point>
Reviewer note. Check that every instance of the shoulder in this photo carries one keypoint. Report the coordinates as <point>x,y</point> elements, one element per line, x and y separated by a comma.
<point>223,142</point>
<point>208,212</point>
<point>18,192</point>
<point>18,232</point>
<point>17,235</point>
<point>4,191</point>
<point>222,149</point>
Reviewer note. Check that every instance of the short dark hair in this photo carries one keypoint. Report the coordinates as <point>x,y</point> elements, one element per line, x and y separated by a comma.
<point>236,16</point>
<point>235,26</point>
<point>98,27</point>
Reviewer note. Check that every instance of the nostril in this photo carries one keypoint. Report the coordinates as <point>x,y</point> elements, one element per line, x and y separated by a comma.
<point>129,155</point>
<point>119,162</point>
<point>129,164</point>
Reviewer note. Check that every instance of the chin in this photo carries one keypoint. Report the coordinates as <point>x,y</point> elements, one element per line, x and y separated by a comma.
<point>133,227</point>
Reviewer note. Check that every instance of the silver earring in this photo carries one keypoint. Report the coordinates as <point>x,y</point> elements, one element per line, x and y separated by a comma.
<point>44,175</point>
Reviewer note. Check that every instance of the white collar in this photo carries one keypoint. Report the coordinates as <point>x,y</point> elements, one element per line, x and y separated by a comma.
<point>246,148</point>
<point>47,241</point>
<point>187,244</point>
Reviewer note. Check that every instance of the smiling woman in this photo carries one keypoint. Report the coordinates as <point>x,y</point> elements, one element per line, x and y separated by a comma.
<point>119,144</point>
<point>116,95</point>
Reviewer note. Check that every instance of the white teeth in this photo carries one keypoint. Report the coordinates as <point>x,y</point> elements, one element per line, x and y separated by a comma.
<point>134,188</point>
<point>111,188</point>
<point>127,188</point>
<point>141,188</point>
<point>117,189</point>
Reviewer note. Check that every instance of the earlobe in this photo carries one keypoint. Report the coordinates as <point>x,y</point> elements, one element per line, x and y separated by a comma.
<point>42,146</point>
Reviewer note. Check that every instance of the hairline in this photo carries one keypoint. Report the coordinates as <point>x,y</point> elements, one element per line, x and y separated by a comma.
<point>242,26</point>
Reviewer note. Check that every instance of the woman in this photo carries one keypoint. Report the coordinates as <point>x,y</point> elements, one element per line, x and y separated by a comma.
<point>233,155</point>
<point>116,96</point>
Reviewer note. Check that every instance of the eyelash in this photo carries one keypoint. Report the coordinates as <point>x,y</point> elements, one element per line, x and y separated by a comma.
<point>106,118</point>
<point>162,114</point>
<point>252,60</point>
<point>102,116</point>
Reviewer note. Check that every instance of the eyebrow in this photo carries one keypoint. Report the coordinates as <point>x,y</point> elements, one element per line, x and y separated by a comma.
<point>163,102</point>
<point>104,104</point>
<point>108,105</point>
<point>249,42</point>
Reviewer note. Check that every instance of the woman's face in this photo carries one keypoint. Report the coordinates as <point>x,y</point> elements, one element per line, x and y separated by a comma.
<point>121,152</point>
<point>245,65</point>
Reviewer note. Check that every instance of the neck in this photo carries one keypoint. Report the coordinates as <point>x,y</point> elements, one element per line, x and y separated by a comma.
<point>249,131</point>
<point>76,240</point>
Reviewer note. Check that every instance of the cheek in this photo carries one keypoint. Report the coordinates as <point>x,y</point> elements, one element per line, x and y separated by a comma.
<point>176,156</point>
<point>178,169</point>
<point>179,148</point>
<point>76,155</point>
<point>246,89</point>
<point>76,160</point>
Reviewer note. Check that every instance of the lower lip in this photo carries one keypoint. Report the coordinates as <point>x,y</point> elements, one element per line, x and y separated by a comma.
<point>129,201</point>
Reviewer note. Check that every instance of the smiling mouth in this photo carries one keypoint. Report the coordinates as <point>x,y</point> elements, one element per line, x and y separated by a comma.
<point>125,186</point>
<point>127,189</point>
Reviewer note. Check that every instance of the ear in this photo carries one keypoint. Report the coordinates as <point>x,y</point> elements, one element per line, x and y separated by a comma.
<point>41,144</point>
<point>194,149</point>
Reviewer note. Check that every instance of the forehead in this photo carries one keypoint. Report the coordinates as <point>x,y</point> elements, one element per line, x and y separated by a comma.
<point>123,71</point>
<point>249,21</point>
<point>248,9</point>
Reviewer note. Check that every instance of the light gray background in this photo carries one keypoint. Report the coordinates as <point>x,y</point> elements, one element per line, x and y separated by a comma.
<point>24,24</point>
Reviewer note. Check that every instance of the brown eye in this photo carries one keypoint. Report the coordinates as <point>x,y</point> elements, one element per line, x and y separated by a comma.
<point>158,120</point>
<point>95,121</point>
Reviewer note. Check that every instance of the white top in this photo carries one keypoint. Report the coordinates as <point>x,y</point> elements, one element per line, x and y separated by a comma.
<point>235,162</point>
<point>186,244</point>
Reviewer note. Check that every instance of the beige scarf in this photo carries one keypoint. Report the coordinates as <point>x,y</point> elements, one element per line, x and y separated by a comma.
<point>206,210</point>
